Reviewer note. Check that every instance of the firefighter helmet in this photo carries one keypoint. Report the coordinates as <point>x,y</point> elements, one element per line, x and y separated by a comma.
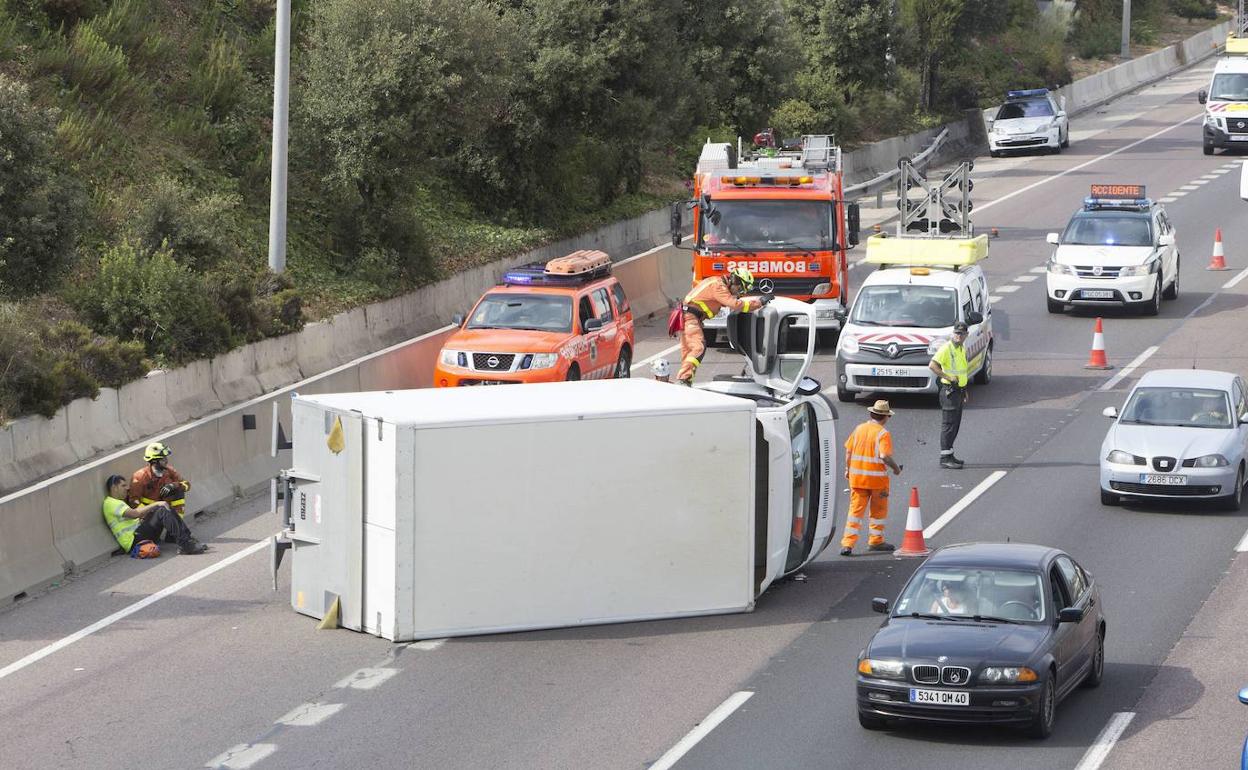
<point>155,451</point>
<point>744,276</point>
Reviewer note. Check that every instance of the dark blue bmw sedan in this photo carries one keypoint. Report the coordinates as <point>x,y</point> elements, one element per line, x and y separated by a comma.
<point>984,633</point>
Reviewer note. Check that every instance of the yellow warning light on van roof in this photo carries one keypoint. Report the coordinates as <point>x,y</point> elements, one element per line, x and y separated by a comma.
<point>926,252</point>
<point>920,271</point>
<point>1236,46</point>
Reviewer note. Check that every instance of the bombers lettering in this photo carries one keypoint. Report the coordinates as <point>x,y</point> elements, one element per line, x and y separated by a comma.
<point>770,265</point>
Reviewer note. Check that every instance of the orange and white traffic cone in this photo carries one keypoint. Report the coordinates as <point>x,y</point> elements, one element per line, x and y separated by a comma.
<point>1097,359</point>
<point>1218,262</point>
<point>913,544</point>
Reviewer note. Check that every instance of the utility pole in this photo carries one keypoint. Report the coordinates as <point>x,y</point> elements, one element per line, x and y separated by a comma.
<point>281,130</point>
<point>1126,29</point>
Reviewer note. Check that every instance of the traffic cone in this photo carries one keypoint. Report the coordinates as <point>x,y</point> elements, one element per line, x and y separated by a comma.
<point>913,544</point>
<point>1219,258</point>
<point>1097,359</point>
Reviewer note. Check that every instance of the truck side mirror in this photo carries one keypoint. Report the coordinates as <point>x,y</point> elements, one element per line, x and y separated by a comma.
<point>974,317</point>
<point>1202,96</point>
<point>593,325</point>
<point>1053,239</point>
<point>677,225</point>
<point>840,315</point>
<point>853,223</point>
<point>1070,615</point>
<point>458,319</point>
<point>879,605</point>
<point>1111,412</point>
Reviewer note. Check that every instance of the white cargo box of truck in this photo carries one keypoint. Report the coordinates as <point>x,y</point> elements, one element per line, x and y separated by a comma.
<point>444,512</point>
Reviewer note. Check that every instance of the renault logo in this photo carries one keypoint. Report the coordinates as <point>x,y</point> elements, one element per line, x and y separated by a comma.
<point>492,362</point>
<point>892,351</point>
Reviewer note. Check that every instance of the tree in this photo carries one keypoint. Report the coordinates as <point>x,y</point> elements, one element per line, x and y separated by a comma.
<point>930,26</point>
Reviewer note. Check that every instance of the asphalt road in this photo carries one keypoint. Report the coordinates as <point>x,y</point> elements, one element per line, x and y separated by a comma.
<point>222,673</point>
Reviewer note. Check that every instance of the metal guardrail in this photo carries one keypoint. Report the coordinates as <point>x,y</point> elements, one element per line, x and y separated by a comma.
<point>884,181</point>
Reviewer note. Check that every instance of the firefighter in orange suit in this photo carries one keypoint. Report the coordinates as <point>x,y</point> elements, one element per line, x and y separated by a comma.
<point>868,456</point>
<point>704,302</point>
<point>158,481</point>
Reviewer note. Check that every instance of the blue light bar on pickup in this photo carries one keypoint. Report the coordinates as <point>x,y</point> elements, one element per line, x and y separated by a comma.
<point>1026,93</point>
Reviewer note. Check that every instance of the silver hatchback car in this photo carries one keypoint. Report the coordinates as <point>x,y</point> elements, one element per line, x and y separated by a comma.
<point>1182,434</point>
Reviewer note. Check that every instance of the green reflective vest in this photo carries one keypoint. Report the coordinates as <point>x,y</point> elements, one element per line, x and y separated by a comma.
<point>952,360</point>
<point>122,527</point>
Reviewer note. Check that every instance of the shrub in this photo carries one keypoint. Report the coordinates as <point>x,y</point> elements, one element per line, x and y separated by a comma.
<point>40,205</point>
<point>104,360</point>
<point>193,225</point>
<point>28,379</point>
<point>1195,9</point>
<point>148,297</point>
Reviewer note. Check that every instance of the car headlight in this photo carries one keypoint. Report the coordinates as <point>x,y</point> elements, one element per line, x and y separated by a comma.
<point>1008,675</point>
<point>1059,269</point>
<point>849,344</point>
<point>1151,266</point>
<point>821,289</point>
<point>1211,461</point>
<point>455,358</point>
<point>882,669</point>
<point>539,360</point>
<point>1124,458</point>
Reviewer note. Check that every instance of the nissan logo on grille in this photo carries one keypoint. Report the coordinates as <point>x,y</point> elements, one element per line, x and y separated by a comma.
<point>492,362</point>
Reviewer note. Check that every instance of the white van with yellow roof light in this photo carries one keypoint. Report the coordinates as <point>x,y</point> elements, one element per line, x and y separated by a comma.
<point>1226,98</point>
<point>905,311</point>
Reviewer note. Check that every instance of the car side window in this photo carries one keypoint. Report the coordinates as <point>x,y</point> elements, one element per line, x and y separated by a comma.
<point>602,306</point>
<point>1072,577</point>
<point>621,301</point>
<point>1061,596</point>
<point>967,304</point>
<point>586,312</point>
<point>1241,403</point>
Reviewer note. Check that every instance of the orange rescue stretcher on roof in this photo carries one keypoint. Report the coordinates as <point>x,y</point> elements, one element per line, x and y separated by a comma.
<point>578,262</point>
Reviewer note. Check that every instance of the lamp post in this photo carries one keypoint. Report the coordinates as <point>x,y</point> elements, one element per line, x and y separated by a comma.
<point>281,130</point>
<point>1126,29</point>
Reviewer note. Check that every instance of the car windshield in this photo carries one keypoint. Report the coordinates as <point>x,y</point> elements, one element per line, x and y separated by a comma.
<point>538,312</point>
<point>1109,228</point>
<point>1031,108</point>
<point>1230,86</point>
<point>1183,407</point>
<point>929,307</point>
<point>781,225</point>
<point>970,592</point>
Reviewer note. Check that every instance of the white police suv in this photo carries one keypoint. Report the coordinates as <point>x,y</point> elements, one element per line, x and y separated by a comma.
<point>1118,250</point>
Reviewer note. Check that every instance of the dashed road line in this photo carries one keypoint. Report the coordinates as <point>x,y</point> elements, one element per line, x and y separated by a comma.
<point>1008,288</point>
<point>961,505</point>
<point>1167,199</point>
<point>428,645</point>
<point>1243,544</point>
<point>310,714</point>
<point>1190,187</point>
<point>1026,278</point>
<point>1122,375</point>
<point>1231,283</point>
<point>1104,742</point>
<point>242,756</point>
<point>1177,193</point>
<point>994,299</point>
<point>650,359</point>
<point>1040,269</point>
<point>366,678</point>
<point>704,728</point>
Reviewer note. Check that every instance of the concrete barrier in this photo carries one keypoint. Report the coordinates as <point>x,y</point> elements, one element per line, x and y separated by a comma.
<point>234,375</point>
<point>94,424</point>
<point>189,393</point>
<point>40,444</point>
<point>142,406</point>
<point>277,362</point>
<point>28,557</point>
<point>78,530</point>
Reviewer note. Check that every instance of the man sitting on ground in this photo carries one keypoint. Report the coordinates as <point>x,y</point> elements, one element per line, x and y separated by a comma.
<point>137,530</point>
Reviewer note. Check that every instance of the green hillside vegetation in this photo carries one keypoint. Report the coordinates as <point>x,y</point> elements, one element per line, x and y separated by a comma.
<point>427,136</point>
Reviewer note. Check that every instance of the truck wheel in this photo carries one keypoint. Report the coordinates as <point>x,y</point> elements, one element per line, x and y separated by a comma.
<point>1042,724</point>
<point>574,373</point>
<point>844,395</point>
<point>984,375</point>
<point>1054,305</point>
<point>1208,149</point>
<point>1153,306</point>
<point>623,366</point>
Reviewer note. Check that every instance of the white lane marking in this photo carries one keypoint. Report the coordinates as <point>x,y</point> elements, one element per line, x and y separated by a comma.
<point>1243,544</point>
<point>1026,278</point>
<point>311,714</point>
<point>1167,199</point>
<point>721,712</point>
<point>1040,269</point>
<point>1177,194</point>
<point>61,644</point>
<point>1087,163</point>
<point>961,505</point>
<point>1211,177</point>
<point>429,645</point>
<point>1190,187</point>
<point>242,756</point>
<point>1007,289</point>
<point>1231,283</point>
<point>1122,375</point>
<point>1104,742</point>
<point>367,678</point>
<point>658,355</point>
<point>994,299</point>
<point>1221,171</point>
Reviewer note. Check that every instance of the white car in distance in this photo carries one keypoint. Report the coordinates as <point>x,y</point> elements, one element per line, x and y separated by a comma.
<point>1029,120</point>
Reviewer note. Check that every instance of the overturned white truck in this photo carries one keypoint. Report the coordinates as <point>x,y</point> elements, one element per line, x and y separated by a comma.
<point>446,512</point>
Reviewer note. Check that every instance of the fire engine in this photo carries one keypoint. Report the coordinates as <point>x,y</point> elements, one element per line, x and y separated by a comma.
<point>782,216</point>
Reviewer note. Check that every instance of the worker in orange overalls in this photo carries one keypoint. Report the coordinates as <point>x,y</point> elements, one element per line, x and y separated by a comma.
<point>158,481</point>
<point>868,456</point>
<point>704,302</point>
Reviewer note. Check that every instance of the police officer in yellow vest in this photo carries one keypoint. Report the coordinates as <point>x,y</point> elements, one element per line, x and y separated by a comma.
<point>950,366</point>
